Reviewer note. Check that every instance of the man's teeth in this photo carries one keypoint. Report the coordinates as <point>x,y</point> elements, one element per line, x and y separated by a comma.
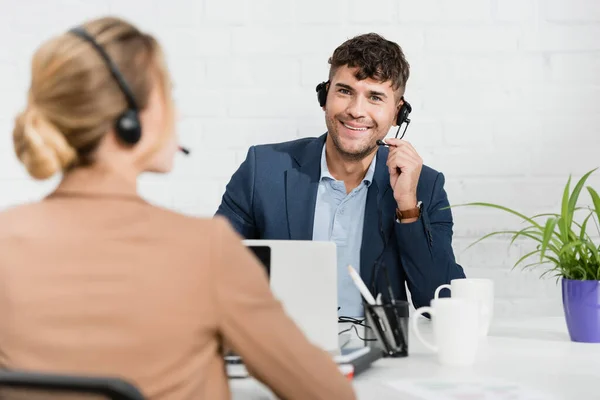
<point>355,129</point>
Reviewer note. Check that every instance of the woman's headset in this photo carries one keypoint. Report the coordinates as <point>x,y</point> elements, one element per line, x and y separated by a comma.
<point>127,125</point>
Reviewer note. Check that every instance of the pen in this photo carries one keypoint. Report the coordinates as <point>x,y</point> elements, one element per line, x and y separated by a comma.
<point>389,287</point>
<point>361,286</point>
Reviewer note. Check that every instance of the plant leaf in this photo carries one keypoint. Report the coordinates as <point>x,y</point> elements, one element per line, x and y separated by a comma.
<point>487,236</point>
<point>564,211</point>
<point>525,257</point>
<point>593,250</point>
<point>545,215</point>
<point>554,260</point>
<point>548,231</point>
<point>530,236</point>
<point>553,269</point>
<point>532,265</point>
<point>570,246</point>
<point>595,200</point>
<point>529,229</point>
<point>536,235</point>
<point>584,272</point>
<point>568,209</point>
<point>577,191</point>
<point>499,207</point>
<point>583,234</point>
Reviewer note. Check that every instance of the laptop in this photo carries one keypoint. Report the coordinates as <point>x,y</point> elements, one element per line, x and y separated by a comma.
<point>303,276</point>
<point>351,362</point>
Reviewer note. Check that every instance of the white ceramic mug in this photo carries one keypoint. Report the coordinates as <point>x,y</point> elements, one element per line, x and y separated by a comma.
<point>455,330</point>
<point>478,290</point>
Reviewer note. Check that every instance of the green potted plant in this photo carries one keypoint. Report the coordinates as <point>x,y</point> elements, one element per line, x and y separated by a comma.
<point>569,253</point>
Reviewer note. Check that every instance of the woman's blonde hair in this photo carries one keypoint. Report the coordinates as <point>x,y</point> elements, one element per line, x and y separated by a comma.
<point>74,100</point>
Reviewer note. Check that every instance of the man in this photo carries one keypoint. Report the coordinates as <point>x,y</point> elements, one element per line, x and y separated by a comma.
<point>383,208</point>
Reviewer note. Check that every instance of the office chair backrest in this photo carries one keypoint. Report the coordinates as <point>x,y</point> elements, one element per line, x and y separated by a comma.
<point>33,385</point>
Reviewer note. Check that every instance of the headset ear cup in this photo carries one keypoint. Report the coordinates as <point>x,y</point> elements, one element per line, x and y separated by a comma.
<point>403,113</point>
<point>322,93</point>
<point>128,127</point>
<point>322,98</point>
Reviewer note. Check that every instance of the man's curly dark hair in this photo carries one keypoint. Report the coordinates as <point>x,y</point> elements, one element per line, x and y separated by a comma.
<point>375,57</point>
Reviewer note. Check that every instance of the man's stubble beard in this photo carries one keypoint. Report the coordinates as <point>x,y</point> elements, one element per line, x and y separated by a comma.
<point>346,155</point>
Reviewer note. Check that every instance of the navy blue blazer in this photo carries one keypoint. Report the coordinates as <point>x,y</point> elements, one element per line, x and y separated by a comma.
<point>273,194</point>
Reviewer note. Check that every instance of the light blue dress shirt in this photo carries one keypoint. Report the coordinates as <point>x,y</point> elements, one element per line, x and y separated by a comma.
<point>339,218</point>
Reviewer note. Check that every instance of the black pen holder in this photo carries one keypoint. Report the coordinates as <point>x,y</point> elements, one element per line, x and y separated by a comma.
<point>389,324</point>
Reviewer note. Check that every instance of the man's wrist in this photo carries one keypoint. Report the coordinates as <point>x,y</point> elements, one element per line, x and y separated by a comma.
<point>408,215</point>
<point>406,202</point>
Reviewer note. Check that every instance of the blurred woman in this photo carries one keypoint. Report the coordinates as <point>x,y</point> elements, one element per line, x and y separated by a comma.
<point>96,281</point>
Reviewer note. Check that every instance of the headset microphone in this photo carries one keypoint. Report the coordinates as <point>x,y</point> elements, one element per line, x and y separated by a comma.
<point>184,150</point>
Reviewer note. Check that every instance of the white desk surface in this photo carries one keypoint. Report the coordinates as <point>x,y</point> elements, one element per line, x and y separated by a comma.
<point>535,354</point>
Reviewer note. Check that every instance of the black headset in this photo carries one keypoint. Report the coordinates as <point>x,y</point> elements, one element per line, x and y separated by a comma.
<point>127,125</point>
<point>401,118</point>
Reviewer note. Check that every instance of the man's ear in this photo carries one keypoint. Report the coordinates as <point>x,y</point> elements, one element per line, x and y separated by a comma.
<point>398,106</point>
<point>400,102</point>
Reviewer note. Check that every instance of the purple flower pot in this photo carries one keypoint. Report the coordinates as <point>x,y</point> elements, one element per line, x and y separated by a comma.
<point>581,303</point>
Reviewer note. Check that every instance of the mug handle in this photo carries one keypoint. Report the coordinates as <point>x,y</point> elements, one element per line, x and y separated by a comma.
<point>415,326</point>
<point>440,288</point>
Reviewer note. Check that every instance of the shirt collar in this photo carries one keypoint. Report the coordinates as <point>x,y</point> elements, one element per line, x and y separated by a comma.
<point>325,174</point>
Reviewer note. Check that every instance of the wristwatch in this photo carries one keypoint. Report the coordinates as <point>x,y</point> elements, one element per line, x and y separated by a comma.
<point>410,213</point>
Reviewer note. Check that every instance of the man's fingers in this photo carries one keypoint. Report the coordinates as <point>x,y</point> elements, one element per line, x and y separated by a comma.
<point>402,156</point>
<point>396,142</point>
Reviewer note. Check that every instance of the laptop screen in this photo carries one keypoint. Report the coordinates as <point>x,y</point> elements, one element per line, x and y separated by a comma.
<point>263,253</point>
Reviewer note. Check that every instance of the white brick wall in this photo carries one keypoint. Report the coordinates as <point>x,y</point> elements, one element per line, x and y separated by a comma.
<point>505,96</point>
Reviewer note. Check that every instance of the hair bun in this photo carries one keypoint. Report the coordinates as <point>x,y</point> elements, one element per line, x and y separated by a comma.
<point>40,146</point>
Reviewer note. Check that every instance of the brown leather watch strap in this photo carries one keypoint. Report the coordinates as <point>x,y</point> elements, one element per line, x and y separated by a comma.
<point>410,213</point>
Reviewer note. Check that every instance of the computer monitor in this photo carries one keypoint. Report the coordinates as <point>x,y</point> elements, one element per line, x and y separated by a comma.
<point>303,276</point>
<point>263,253</point>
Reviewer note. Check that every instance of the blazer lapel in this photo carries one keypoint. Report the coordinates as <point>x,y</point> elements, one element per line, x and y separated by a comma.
<point>379,218</point>
<point>301,186</point>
